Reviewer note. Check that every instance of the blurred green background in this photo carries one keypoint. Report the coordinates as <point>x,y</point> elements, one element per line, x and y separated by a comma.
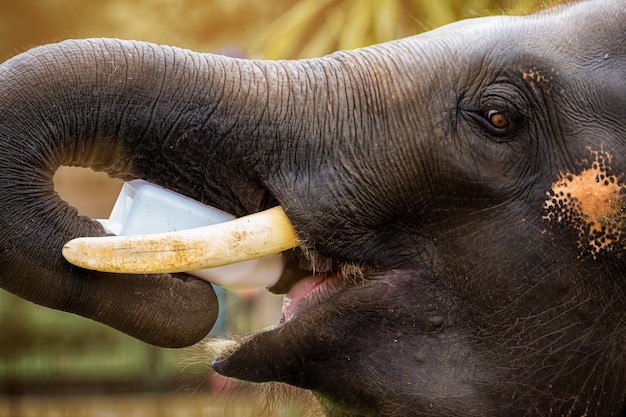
<point>45,352</point>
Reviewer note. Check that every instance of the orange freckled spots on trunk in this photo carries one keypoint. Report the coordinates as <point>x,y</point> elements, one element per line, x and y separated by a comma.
<point>593,203</point>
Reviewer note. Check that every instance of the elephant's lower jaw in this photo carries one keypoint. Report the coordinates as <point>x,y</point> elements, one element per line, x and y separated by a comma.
<point>276,354</point>
<point>325,344</point>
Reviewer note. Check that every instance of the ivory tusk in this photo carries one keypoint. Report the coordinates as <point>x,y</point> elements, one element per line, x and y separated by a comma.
<point>238,240</point>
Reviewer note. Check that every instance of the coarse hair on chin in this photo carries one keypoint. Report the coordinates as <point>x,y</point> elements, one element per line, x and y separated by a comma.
<point>270,398</point>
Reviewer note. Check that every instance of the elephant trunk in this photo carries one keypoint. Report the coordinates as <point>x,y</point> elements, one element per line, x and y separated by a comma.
<point>241,135</point>
<point>183,120</point>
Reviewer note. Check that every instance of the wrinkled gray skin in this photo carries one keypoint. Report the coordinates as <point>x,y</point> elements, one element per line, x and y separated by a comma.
<point>451,165</point>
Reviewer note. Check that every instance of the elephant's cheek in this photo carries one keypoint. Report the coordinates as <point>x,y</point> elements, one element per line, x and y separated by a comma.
<point>592,204</point>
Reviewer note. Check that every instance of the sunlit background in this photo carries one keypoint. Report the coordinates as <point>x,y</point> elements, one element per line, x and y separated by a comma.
<point>58,364</point>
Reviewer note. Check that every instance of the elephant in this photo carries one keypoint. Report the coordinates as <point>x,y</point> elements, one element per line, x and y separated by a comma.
<point>459,196</point>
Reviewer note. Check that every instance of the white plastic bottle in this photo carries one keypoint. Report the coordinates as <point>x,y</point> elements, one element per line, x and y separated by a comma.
<point>145,208</point>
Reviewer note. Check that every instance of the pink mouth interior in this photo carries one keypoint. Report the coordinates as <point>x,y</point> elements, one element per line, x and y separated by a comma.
<point>298,292</point>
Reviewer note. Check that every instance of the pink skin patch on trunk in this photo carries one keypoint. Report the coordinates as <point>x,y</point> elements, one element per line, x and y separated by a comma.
<point>593,203</point>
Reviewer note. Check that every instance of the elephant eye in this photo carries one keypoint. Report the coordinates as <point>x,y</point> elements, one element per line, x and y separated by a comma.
<point>497,119</point>
<point>497,123</point>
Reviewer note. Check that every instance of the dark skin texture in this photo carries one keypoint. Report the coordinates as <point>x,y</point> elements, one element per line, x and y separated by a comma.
<point>475,173</point>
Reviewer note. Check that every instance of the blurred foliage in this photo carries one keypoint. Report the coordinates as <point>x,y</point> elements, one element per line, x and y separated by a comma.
<point>266,29</point>
<point>313,28</point>
<point>203,25</point>
<point>316,27</point>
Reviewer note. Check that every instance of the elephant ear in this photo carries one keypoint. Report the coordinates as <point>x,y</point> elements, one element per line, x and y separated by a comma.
<point>60,105</point>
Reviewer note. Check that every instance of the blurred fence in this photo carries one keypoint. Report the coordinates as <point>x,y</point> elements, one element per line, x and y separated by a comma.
<point>49,352</point>
<point>44,351</point>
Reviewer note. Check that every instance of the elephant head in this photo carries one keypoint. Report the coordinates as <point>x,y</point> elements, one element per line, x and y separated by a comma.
<point>460,194</point>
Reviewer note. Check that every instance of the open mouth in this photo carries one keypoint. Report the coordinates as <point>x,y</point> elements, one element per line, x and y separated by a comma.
<point>305,283</point>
